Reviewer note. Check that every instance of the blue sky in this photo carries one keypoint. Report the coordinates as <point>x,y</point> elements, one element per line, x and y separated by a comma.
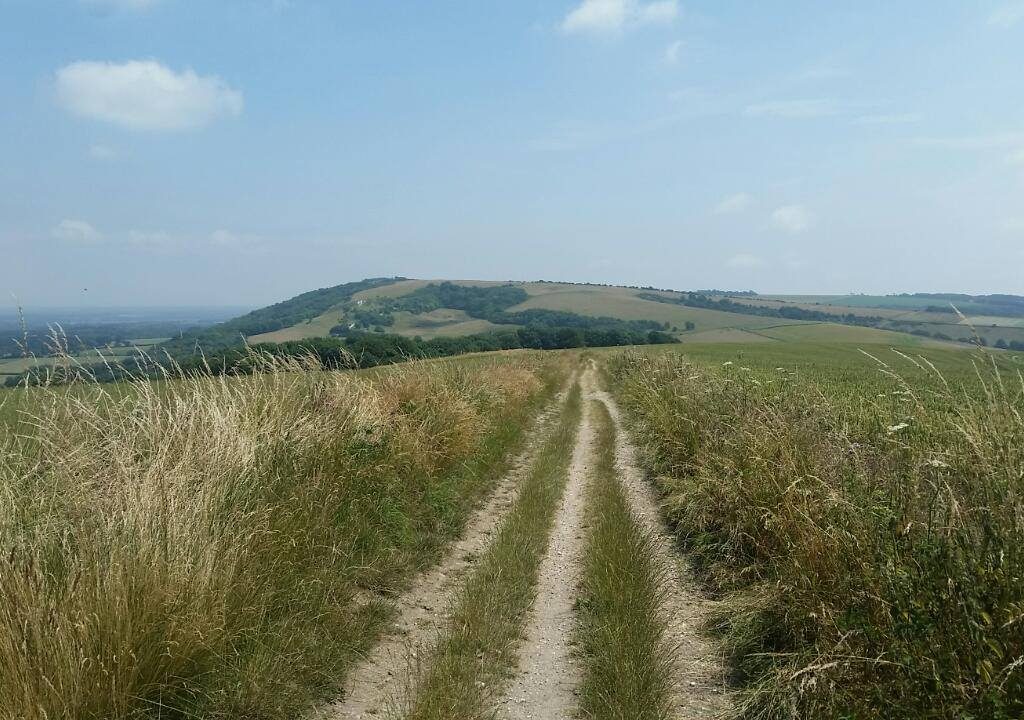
<point>242,151</point>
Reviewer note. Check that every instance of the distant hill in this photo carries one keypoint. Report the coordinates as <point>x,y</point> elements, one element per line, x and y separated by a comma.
<point>271,318</point>
<point>389,319</point>
<point>430,309</point>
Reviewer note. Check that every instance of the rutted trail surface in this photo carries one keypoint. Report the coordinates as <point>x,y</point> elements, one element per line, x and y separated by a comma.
<point>548,674</point>
<point>700,687</point>
<point>549,668</point>
<point>377,684</point>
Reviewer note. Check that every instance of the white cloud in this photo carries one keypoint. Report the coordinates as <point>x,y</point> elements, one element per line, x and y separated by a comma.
<point>132,5</point>
<point>1013,225</point>
<point>733,204</point>
<point>744,261</point>
<point>793,109</point>
<point>672,52</point>
<point>159,241</point>
<point>610,16</point>
<point>102,152</point>
<point>144,95</point>
<point>793,219</point>
<point>76,231</point>
<point>1007,15</point>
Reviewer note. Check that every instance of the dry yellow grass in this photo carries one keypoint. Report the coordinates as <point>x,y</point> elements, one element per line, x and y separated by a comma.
<point>193,549</point>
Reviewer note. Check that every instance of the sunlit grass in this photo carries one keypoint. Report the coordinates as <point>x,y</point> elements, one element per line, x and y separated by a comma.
<point>865,522</point>
<point>196,548</point>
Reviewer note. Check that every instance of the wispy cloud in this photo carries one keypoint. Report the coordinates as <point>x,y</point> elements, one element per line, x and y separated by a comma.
<point>734,204</point>
<point>613,16</point>
<point>792,219</point>
<point>1011,144</point>
<point>1007,15</point>
<point>894,119</point>
<point>794,109</point>
<point>159,241</point>
<point>992,141</point>
<point>672,52</point>
<point>76,231</point>
<point>144,95</point>
<point>130,5</point>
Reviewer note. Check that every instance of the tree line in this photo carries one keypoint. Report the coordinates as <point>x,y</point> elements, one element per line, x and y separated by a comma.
<point>356,350</point>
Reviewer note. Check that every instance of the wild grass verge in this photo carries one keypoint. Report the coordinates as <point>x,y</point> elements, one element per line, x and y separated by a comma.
<point>195,548</point>
<point>478,646</point>
<point>627,673</point>
<point>869,531</point>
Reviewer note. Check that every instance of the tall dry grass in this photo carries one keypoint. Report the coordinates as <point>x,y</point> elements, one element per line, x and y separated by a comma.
<point>869,530</point>
<point>200,547</point>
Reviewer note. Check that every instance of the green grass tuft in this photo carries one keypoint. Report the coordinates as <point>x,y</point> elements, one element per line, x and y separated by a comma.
<point>627,665</point>
<point>196,548</point>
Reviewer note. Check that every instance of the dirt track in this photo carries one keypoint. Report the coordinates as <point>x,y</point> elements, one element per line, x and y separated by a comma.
<point>376,686</point>
<point>544,683</point>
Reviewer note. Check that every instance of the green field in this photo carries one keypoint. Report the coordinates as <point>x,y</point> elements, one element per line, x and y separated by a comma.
<point>440,323</point>
<point>913,306</point>
<point>623,303</point>
<point>897,302</point>
<point>318,326</point>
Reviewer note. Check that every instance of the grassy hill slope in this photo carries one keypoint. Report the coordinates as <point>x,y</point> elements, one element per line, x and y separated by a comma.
<point>688,324</point>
